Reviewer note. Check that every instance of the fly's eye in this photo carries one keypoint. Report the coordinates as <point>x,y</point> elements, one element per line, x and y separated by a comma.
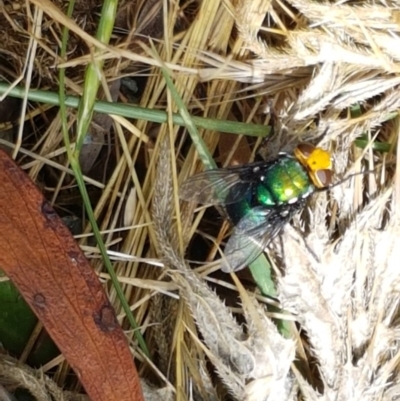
<point>322,178</point>
<point>305,149</point>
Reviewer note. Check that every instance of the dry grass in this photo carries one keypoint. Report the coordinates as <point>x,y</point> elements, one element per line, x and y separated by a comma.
<point>327,73</point>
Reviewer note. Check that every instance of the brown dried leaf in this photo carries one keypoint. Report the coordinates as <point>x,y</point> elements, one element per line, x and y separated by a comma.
<point>43,260</point>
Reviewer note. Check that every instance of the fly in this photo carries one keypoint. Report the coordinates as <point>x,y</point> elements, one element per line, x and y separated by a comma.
<point>260,198</point>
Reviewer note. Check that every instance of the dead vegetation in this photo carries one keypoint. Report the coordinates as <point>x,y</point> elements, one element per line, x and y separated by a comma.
<point>327,73</point>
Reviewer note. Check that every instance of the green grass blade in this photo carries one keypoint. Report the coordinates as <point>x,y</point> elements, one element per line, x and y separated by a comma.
<point>85,112</point>
<point>260,268</point>
<point>140,113</point>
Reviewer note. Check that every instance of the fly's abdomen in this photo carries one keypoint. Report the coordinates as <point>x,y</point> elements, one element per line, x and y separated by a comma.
<point>285,182</point>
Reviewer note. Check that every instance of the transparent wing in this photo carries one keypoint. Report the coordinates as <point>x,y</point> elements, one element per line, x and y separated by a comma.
<point>222,186</point>
<point>253,233</point>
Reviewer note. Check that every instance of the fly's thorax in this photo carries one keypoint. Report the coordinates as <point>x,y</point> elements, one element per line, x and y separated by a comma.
<point>285,182</point>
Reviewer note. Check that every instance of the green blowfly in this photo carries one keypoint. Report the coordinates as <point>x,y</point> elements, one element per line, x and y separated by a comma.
<point>260,198</point>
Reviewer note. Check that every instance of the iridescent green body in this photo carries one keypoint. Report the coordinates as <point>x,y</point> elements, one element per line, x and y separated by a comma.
<point>283,182</point>
<point>260,198</point>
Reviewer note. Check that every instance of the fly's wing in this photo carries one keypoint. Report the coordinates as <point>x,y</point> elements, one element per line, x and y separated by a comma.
<point>254,232</point>
<point>222,186</point>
